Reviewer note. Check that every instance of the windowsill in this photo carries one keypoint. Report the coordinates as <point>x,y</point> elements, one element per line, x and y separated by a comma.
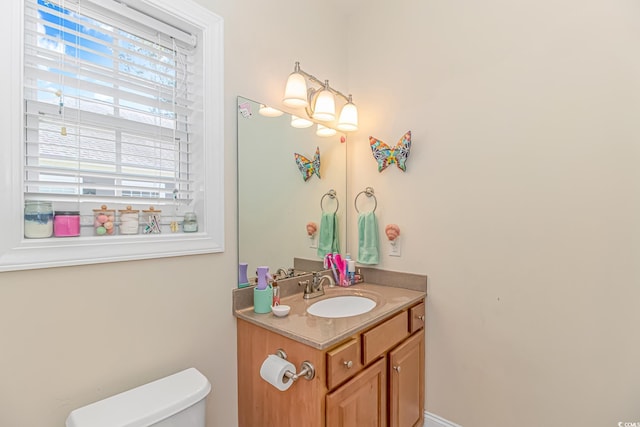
<point>67,251</point>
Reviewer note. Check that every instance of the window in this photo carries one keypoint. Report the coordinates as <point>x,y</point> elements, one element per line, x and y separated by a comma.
<point>121,105</point>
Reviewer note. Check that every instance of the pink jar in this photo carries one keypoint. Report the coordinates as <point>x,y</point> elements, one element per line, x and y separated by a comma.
<point>66,224</point>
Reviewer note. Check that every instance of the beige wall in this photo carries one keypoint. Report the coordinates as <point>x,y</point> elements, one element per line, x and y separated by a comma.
<point>521,203</point>
<point>521,199</point>
<point>70,336</point>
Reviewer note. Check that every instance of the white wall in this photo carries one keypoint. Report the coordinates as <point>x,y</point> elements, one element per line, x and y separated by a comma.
<point>70,336</point>
<point>521,198</point>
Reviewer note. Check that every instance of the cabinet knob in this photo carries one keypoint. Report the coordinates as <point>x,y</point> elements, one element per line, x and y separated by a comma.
<point>348,364</point>
<point>396,368</point>
<point>420,317</point>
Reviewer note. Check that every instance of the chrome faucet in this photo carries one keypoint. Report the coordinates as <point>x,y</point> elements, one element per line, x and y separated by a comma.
<point>313,288</point>
<point>281,273</point>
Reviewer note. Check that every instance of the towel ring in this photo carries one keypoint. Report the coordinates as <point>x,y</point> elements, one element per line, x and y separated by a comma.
<point>369,193</point>
<point>332,195</point>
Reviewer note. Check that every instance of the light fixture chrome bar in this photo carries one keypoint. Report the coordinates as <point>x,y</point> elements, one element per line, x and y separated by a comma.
<point>319,82</point>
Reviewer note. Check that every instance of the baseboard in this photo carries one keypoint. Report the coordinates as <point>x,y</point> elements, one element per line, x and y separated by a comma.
<point>432,420</point>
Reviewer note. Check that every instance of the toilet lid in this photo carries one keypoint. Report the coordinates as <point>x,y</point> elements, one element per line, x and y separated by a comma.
<point>144,405</point>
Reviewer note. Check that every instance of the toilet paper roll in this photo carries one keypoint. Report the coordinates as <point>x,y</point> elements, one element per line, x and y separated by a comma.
<point>273,369</point>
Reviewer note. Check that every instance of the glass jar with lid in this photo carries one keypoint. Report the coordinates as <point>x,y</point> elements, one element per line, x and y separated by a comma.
<point>152,220</point>
<point>190,222</point>
<point>129,221</point>
<point>38,219</point>
<point>104,221</point>
<point>66,224</point>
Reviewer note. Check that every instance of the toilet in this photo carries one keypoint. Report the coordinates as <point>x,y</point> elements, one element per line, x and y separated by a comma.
<point>174,401</point>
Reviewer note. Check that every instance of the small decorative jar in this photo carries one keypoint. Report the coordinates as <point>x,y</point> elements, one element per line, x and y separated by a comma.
<point>66,224</point>
<point>151,218</point>
<point>38,219</point>
<point>190,222</point>
<point>129,221</point>
<point>104,221</point>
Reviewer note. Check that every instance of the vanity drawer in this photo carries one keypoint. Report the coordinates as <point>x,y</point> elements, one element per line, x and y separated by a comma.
<point>384,336</point>
<point>416,317</point>
<point>343,362</point>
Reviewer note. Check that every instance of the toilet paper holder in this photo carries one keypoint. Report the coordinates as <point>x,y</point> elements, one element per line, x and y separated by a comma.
<point>306,371</point>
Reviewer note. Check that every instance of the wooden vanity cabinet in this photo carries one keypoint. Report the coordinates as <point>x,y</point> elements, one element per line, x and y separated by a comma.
<point>406,383</point>
<point>362,402</point>
<point>372,379</point>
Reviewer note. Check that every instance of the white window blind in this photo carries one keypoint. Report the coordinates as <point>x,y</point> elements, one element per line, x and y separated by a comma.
<point>109,106</point>
<point>142,88</point>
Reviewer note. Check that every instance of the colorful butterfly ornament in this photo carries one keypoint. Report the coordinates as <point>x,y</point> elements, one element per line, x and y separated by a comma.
<point>386,155</point>
<point>308,167</point>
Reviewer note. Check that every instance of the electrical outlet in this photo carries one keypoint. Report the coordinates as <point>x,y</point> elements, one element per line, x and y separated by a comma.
<point>394,248</point>
<point>313,242</point>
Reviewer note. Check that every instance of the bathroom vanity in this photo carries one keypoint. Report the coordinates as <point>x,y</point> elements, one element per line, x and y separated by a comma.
<point>369,368</point>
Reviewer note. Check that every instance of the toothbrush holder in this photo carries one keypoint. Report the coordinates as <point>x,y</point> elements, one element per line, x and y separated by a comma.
<point>262,299</point>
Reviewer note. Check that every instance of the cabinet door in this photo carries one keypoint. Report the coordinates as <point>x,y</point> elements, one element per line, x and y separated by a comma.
<point>361,402</point>
<point>406,383</point>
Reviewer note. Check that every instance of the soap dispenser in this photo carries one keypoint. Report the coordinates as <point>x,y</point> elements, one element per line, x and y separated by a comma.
<point>263,277</point>
<point>263,293</point>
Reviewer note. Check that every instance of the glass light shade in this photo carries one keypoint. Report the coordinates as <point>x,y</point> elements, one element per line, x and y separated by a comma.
<point>325,108</point>
<point>348,120</point>
<point>325,131</point>
<point>295,93</point>
<point>300,123</point>
<point>269,111</point>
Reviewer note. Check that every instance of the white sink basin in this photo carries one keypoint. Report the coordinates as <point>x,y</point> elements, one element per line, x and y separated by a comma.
<point>343,306</point>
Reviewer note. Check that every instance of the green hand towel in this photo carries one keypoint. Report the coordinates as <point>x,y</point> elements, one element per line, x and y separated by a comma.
<point>368,238</point>
<point>328,236</point>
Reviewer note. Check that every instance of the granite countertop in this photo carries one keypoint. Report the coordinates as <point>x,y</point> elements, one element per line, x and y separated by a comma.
<point>322,333</point>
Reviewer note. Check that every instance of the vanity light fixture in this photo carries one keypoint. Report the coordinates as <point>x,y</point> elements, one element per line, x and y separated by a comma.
<point>267,111</point>
<point>348,120</point>
<point>325,105</point>
<point>320,103</point>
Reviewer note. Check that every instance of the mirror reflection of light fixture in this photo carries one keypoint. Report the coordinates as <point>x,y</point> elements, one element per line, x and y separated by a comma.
<point>267,111</point>
<point>300,123</point>
<point>325,131</point>
<point>320,103</point>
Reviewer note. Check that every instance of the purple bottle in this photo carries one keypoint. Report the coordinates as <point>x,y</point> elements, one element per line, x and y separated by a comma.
<point>263,277</point>
<point>243,281</point>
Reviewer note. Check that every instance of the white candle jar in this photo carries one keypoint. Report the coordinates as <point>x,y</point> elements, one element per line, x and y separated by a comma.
<point>38,219</point>
<point>129,221</point>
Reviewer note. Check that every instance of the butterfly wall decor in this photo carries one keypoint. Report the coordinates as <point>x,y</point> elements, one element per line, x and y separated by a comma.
<point>308,167</point>
<point>386,155</point>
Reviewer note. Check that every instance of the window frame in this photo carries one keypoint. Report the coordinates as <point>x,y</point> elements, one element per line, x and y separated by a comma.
<point>18,253</point>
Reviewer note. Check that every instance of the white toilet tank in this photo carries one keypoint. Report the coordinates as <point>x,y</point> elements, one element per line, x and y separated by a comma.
<point>173,401</point>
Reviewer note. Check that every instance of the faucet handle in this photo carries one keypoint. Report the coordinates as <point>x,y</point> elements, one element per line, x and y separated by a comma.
<point>306,284</point>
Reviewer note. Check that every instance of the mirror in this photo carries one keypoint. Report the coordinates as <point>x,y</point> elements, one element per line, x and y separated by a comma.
<point>275,203</point>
